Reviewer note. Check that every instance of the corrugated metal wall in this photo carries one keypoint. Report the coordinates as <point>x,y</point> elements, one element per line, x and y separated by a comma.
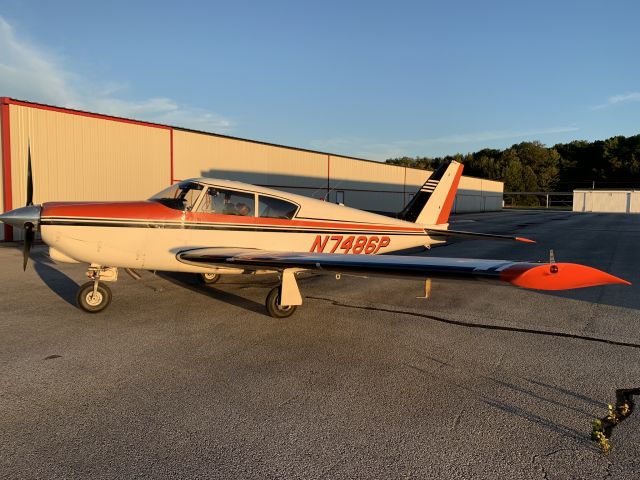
<point>369,185</point>
<point>200,155</point>
<point>84,156</point>
<point>361,184</point>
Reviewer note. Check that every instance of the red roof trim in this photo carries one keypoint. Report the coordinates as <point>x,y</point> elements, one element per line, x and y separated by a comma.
<point>171,180</point>
<point>6,163</point>
<point>82,113</point>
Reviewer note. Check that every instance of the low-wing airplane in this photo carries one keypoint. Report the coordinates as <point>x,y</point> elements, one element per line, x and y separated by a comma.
<point>213,227</point>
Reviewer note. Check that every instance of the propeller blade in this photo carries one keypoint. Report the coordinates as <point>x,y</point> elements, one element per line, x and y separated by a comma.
<point>29,179</point>
<point>29,236</point>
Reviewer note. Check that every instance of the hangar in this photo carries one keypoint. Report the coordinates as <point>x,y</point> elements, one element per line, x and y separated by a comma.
<point>84,156</point>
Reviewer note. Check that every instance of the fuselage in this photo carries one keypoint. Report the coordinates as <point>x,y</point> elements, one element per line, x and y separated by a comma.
<point>149,234</point>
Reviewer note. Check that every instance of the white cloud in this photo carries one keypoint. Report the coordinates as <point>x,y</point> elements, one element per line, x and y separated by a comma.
<point>29,72</point>
<point>362,147</point>
<point>618,99</point>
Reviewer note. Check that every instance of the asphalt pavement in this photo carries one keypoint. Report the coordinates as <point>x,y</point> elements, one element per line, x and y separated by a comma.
<point>176,380</point>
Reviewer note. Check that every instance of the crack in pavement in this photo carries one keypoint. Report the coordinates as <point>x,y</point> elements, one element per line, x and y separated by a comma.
<point>483,326</point>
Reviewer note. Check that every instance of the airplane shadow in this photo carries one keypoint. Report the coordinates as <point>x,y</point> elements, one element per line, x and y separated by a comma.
<point>58,282</point>
<point>190,282</point>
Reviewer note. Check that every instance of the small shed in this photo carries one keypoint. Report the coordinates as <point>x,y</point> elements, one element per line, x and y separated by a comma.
<point>614,201</point>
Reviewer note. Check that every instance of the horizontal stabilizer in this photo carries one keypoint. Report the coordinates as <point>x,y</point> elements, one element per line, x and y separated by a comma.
<point>474,235</point>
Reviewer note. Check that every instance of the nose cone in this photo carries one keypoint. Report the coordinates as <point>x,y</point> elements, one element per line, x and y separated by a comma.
<point>21,216</point>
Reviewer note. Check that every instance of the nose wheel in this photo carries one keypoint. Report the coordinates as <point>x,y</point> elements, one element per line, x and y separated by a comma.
<point>93,297</point>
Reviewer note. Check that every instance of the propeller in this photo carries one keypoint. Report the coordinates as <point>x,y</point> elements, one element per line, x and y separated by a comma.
<point>29,178</point>
<point>27,217</point>
<point>29,236</point>
<point>29,228</point>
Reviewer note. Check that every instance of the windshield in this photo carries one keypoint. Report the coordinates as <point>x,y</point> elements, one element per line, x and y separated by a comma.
<point>181,196</point>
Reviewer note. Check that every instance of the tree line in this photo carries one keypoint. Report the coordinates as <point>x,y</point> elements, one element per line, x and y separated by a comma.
<point>534,167</point>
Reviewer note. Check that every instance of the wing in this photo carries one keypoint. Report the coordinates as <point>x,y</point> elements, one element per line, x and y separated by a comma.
<point>539,276</point>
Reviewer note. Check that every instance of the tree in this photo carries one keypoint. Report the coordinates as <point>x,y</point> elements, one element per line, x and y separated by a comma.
<point>531,166</point>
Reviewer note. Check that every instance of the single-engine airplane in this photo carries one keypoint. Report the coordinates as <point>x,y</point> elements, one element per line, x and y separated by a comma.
<point>216,227</point>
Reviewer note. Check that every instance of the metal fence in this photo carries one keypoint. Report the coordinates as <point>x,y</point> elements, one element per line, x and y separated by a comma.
<point>544,200</point>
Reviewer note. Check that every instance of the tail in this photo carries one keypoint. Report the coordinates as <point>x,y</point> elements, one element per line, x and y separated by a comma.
<point>432,204</point>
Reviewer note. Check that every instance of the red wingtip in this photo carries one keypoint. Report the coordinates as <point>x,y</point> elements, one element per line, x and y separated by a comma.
<point>525,240</point>
<point>558,276</point>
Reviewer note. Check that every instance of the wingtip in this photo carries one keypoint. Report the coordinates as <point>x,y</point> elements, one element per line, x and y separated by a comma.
<point>559,276</point>
<point>525,240</point>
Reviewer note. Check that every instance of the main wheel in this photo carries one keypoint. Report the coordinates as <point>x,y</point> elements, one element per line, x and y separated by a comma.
<point>273,307</point>
<point>208,278</point>
<point>87,301</point>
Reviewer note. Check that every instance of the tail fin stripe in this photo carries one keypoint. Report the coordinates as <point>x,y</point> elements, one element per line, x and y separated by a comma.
<point>432,203</point>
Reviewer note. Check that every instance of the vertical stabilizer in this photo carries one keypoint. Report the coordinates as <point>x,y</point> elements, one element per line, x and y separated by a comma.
<point>432,204</point>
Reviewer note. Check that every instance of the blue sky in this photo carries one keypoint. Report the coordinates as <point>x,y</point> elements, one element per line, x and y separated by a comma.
<point>368,79</point>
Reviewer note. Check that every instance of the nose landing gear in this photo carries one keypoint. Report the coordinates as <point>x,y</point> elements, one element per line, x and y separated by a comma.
<point>94,297</point>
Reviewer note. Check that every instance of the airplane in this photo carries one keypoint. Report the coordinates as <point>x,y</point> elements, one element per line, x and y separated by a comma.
<point>213,227</point>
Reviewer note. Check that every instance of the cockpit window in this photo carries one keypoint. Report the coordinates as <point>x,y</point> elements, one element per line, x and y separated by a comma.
<point>275,208</point>
<point>181,196</point>
<point>228,202</point>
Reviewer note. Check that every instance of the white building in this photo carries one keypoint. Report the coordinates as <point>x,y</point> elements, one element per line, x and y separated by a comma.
<point>614,201</point>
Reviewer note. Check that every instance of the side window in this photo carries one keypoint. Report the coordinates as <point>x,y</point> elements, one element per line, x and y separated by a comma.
<point>275,208</point>
<point>340,197</point>
<point>228,202</point>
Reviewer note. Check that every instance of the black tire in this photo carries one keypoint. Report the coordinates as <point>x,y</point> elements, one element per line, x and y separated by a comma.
<point>275,310</point>
<point>208,278</point>
<point>85,301</point>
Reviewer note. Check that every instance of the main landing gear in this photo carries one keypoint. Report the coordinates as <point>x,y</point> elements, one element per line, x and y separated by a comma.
<point>208,278</point>
<point>94,297</point>
<point>274,307</point>
<point>282,301</point>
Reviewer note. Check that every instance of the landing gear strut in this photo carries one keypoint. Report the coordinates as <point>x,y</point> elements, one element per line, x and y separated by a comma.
<point>94,297</point>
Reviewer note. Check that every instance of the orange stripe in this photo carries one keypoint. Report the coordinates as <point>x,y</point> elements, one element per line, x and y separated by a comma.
<point>147,210</point>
